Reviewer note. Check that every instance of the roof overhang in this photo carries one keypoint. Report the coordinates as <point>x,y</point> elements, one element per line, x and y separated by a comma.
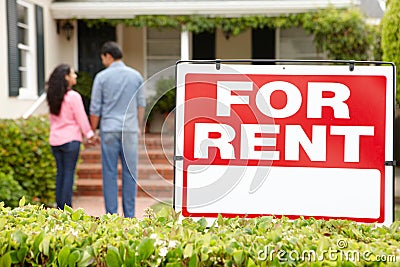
<point>119,10</point>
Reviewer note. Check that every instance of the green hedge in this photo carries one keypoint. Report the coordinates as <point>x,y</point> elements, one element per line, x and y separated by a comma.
<point>34,236</point>
<point>10,190</point>
<point>84,83</point>
<point>26,160</point>
<point>391,38</point>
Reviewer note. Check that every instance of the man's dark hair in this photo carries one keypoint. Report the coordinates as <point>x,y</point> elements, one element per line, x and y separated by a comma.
<point>111,48</point>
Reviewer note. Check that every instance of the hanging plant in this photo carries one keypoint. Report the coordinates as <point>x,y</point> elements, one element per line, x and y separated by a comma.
<point>339,33</point>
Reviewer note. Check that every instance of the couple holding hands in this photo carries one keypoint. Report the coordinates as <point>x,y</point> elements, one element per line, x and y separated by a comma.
<point>115,90</point>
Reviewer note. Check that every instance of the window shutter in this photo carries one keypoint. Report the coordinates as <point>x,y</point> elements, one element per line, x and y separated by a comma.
<point>13,54</point>
<point>40,49</point>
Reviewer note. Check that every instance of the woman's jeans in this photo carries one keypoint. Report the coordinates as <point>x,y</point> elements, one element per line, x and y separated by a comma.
<point>115,145</point>
<point>66,157</point>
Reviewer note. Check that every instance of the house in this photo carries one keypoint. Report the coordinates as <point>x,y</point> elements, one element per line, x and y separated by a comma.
<point>39,34</point>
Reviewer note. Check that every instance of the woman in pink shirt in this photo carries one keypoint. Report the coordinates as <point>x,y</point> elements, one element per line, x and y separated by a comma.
<point>68,121</point>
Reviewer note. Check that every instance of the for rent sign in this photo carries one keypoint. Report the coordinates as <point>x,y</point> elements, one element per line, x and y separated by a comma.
<point>285,140</point>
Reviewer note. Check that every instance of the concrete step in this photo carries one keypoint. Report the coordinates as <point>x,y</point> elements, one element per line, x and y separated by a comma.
<point>153,155</point>
<point>157,140</point>
<point>155,166</point>
<point>146,188</point>
<point>93,171</point>
<point>149,141</point>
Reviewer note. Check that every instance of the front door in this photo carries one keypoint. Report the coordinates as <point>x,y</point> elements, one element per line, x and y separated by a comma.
<point>90,41</point>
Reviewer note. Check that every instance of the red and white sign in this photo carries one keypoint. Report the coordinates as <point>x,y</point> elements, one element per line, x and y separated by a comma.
<point>286,140</point>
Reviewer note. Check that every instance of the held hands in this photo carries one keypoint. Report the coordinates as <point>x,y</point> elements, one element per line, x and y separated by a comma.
<point>92,141</point>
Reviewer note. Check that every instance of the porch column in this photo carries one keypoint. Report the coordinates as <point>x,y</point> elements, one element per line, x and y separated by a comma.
<point>185,49</point>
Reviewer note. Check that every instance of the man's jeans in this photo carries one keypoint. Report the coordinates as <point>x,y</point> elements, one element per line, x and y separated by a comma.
<point>66,157</point>
<point>116,145</point>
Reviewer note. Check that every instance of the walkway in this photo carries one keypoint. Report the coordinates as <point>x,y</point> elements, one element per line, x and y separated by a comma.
<point>94,205</point>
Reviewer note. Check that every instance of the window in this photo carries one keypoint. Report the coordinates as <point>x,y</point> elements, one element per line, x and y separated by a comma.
<point>163,49</point>
<point>295,43</point>
<point>25,49</point>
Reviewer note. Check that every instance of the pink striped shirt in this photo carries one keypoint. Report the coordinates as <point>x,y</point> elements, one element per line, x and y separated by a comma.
<point>71,122</point>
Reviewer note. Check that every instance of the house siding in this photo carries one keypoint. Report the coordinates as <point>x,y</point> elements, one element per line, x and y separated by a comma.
<point>228,48</point>
<point>11,106</point>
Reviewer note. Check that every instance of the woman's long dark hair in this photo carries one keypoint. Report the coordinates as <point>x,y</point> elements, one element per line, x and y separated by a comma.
<point>57,87</point>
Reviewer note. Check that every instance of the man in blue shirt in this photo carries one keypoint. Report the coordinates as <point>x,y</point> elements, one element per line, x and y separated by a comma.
<point>118,102</point>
